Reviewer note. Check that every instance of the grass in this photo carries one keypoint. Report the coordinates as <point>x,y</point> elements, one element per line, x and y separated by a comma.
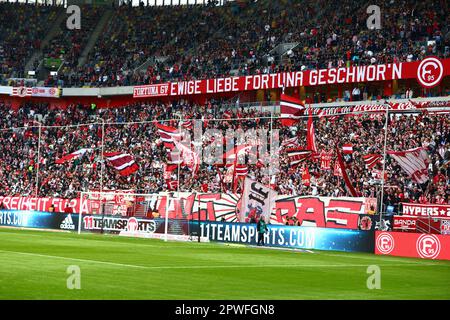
<point>33,265</point>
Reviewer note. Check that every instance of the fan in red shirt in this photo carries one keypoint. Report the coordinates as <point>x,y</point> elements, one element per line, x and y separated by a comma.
<point>423,199</point>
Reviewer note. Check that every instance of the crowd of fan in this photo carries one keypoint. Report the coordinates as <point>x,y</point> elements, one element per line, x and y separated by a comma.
<point>132,130</point>
<point>67,45</point>
<point>193,42</point>
<point>22,29</point>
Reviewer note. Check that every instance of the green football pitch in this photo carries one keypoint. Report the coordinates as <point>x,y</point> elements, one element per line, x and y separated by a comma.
<point>35,265</point>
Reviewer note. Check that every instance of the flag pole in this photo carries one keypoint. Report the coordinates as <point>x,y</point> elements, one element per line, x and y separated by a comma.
<point>38,159</point>
<point>166,218</point>
<point>102,157</point>
<point>384,161</point>
<point>270,164</point>
<point>178,165</point>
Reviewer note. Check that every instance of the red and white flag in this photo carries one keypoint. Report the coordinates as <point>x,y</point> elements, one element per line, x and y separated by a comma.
<point>258,198</point>
<point>189,157</point>
<point>378,174</point>
<point>290,143</point>
<point>345,176</point>
<point>122,162</point>
<point>347,148</point>
<point>310,135</point>
<point>291,110</point>
<point>188,124</point>
<point>168,135</point>
<point>298,155</point>
<point>415,162</point>
<point>72,156</point>
<point>241,170</point>
<point>372,160</point>
<point>230,157</point>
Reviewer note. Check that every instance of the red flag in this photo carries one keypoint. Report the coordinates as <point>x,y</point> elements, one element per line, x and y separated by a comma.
<point>349,185</point>
<point>347,148</point>
<point>168,135</point>
<point>310,135</point>
<point>291,110</point>
<point>290,143</point>
<point>188,124</point>
<point>325,159</point>
<point>297,155</point>
<point>372,159</point>
<point>71,156</point>
<point>122,162</point>
<point>230,157</point>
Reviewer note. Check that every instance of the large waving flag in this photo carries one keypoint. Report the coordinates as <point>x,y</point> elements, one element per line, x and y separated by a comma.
<point>189,158</point>
<point>414,161</point>
<point>347,181</point>
<point>72,156</point>
<point>168,135</point>
<point>122,162</point>
<point>291,109</point>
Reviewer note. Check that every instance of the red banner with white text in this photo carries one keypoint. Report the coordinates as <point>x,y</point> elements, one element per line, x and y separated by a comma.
<point>428,72</point>
<point>425,210</point>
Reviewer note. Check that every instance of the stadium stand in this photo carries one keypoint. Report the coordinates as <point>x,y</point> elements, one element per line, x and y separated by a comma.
<point>142,45</point>
<point>132,130</point>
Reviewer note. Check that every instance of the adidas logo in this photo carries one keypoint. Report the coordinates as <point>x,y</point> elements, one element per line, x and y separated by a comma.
<point>67,223</point>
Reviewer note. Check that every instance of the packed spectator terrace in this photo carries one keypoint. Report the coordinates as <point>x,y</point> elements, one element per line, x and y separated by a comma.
<point>132,130</point>
<point>122,44</point>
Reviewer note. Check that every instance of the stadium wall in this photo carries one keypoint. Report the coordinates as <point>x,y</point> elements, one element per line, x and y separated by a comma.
<point>280,236</point>
<point>292,237</point>
<point>414,245</point>
<point>327,212</point>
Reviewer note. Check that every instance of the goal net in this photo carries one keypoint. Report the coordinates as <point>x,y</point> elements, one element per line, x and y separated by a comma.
<point>137,215</point>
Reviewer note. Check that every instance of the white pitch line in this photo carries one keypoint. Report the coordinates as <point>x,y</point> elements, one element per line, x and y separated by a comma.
<point>210,266</point>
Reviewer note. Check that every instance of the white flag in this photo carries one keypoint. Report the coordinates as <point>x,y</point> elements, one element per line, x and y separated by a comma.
<point>256,199</point>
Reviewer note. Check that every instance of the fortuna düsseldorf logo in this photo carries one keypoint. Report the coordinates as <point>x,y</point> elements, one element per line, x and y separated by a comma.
<point>430,72</point>
<point>428,246</point>
<point>132,225</point>
<point>385,243</point>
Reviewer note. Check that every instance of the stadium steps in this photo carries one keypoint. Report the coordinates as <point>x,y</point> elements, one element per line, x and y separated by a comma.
<point>38,55</point>
<point>94,36</point>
